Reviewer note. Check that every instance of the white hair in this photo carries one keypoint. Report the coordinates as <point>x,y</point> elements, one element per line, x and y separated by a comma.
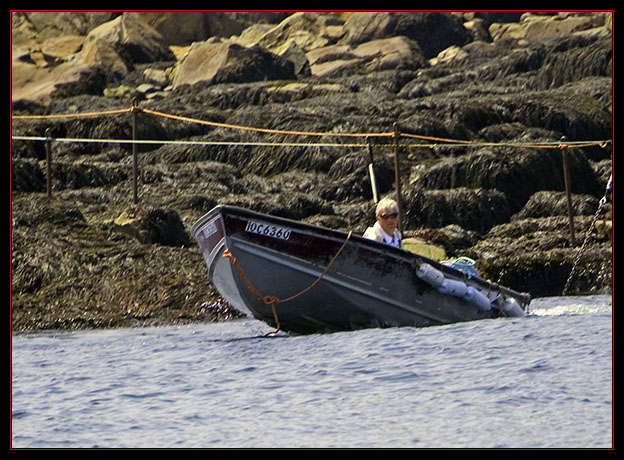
<point>387,205</point>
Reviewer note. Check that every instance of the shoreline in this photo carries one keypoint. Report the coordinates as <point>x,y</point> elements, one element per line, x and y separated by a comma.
<point>497,83</point>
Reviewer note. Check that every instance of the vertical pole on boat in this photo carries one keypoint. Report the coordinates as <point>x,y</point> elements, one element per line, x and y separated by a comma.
<point>48,163</point>
<point>135,161</point>
<point>397,175</point>
<point>371,172</point>
<point>566,180</point>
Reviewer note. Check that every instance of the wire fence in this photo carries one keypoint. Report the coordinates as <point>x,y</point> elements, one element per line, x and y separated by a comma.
<point>359,140</point>
<point>432,141</point>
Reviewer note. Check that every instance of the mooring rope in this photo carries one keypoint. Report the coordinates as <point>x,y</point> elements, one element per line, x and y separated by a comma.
<point>389,134</point>
<point>274,300</point>
<point>577,260</point>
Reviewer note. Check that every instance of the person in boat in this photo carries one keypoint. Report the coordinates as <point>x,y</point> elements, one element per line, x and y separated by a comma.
<point>385,228</point>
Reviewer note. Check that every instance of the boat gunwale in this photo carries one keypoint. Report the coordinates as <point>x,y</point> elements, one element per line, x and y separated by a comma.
<point>407,256</point>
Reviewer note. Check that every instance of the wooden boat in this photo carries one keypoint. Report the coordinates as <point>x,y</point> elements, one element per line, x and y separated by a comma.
<point>303,278</point>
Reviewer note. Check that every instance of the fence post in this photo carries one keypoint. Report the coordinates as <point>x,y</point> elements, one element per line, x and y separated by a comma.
<point>566,180</point>
<point>135,161</point>
<point>397,175</point>
<point>48,163</point>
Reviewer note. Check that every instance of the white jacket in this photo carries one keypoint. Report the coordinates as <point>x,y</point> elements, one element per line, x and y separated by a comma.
<point>378,234</point>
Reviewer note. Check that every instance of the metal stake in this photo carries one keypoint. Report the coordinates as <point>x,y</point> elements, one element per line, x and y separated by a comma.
<point>48,163</point>
<point>397,176</point>
<point>135,161</point>
<point>566,179</point>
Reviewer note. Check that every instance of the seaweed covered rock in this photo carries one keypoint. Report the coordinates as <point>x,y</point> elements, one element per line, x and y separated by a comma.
<point>536,256</point>
<point>547,204</point>
<point>153,226</point>
<point>517,173</point>
<point>72,270</point>
<point>473,209</point>
<point>276,115</point>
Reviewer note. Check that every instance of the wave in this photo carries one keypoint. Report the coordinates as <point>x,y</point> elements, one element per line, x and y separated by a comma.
<point>571,305</point>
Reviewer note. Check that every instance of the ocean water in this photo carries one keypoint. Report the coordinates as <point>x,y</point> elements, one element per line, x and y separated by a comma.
<point>543,381</point>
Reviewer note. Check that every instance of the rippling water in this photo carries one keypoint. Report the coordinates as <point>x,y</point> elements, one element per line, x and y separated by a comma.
<point>536,382</point>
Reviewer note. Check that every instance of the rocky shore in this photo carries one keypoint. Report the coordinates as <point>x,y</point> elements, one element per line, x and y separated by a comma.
<point>89,257</point>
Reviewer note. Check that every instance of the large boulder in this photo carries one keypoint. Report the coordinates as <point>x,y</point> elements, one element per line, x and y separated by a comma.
<point>391,53</point>
<point>34,83</point>
<point>186,27</point>
<point>375,55</point>
<point>291,38</point>
<point>218,62</point>
<point>539,26</point>
<point>38,26</point>
<point>122,43</point>
<point>434,31</point>
<point>305,29</point>
<point>73,64</point>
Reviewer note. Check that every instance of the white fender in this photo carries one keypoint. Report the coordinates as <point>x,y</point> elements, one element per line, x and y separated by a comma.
<point>430,275</point>
<point>477,299</point>
<point>512,308</point>
<point>453,287</point>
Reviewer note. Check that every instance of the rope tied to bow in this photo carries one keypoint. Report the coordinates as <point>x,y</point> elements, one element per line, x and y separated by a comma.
<point>274,300</point>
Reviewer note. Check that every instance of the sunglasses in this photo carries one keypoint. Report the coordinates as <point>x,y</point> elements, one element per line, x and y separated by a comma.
<point>387,216</point>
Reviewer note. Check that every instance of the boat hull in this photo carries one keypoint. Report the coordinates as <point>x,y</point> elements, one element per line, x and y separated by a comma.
<point>306,279</point>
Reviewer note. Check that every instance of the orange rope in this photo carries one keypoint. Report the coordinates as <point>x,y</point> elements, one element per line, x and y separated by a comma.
<point>432,138</point>
<point>71,115</point>
<point>135,108</point>
<point>262,130</point>
<point>273,300</point>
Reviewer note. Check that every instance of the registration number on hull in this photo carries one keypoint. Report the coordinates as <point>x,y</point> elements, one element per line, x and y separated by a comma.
<point>274,231</point>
